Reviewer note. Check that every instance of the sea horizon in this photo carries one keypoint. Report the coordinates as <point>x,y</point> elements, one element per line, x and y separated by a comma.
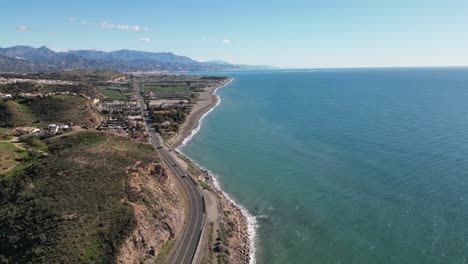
<point>342,188</point>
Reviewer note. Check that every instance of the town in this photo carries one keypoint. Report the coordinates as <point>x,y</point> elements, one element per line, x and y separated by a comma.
<point>168,98</point>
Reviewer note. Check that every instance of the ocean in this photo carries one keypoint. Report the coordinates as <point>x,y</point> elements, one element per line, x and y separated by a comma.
<point>345,165</point>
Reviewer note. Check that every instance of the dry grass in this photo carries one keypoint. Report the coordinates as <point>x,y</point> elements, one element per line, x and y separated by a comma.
<point>9,157</point>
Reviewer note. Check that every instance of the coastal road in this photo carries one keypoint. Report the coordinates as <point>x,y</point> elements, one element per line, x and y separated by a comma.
<point>186,246</point>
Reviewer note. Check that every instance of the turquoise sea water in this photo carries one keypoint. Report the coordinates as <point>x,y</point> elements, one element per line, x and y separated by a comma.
<point>345,166</point>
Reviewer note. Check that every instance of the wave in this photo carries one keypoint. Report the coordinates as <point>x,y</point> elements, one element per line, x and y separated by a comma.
<point>252,223</point>
<point>200,121</point>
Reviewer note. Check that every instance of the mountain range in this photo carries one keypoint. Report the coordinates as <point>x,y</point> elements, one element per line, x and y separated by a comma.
<point>25,59</point>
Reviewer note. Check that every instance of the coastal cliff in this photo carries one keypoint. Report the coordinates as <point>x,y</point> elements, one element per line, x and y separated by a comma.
<point>156,207</point>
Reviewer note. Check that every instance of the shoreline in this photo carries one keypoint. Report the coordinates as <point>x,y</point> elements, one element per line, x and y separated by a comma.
<point>193,123</point>
<point>246,223</point>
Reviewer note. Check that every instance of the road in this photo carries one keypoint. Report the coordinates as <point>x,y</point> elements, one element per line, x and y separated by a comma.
<point>186,246</point>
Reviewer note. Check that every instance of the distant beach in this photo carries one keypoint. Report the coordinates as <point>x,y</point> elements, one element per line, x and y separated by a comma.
<point>207,100</point>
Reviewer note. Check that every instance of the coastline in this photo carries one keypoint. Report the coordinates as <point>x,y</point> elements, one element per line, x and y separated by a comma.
<point>243,240</point>
<point>206,103</point>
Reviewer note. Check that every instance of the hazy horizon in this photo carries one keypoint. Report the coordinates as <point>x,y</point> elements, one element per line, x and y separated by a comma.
<point>299,34</point>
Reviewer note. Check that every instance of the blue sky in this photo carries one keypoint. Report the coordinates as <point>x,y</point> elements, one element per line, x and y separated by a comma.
<point>293,33</point>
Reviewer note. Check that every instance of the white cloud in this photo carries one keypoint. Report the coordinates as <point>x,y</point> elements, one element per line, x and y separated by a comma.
<point>22,28</point>
<point>114,26</point>
<point>72,19</point>
<point>220,41</point>
<point>146,40</point>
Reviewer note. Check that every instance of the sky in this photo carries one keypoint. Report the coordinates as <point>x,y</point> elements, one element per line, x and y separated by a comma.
<point>292,33</point>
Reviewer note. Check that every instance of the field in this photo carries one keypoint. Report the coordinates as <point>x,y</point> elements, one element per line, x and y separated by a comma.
<point>113,94</point>
<point>169,87</point>
<point>69,206</point>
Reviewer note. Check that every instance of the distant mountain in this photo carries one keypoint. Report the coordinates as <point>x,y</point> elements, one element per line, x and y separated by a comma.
<point>30,59</point>
<point>9,64</point>
<point>131,55</point>
<point>218,62</point>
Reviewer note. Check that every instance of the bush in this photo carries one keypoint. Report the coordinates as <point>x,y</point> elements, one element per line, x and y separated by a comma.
<point>32,141</point>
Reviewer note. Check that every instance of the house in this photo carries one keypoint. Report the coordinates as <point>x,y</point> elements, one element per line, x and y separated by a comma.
<point>54,130</point>
<point>134,118</point>
<point>30,95</point>
<point>27,130</point>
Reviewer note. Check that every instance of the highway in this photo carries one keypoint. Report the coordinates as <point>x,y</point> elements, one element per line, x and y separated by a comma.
<point>186,245</point>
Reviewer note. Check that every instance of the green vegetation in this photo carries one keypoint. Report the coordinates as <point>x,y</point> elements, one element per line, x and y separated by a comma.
<point>165,250</point>
<point>80,75</point>
<point>221,245</point>
<point>165,88</point>
<point>208,253</point>
<point>175,117</point>
<point>13,114</point>
<point>204,185</point>
<point>6,134</point>
<point>61,108</point>
<point>33,142</point>
<point>10,157</point>
<point>18,88</point>
<point>84,82</point>
<point>39,112</point>
<point>113,94</point>
<point>69,206</point>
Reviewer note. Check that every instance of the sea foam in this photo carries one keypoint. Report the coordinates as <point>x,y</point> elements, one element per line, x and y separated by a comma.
<point>252,223</point>
<point>200,121</point>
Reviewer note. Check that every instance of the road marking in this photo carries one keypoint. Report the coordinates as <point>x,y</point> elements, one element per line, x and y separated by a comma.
<point>191,190</point>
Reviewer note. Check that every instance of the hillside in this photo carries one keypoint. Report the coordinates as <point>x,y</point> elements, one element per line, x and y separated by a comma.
<point>13,114</point>
<point>41,111</point>
<point>95,198</point>
<point>63,109</point>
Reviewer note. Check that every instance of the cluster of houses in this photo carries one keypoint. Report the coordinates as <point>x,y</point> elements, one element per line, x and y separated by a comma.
<point>5,96</point>
<point>167,103</point>
<point>34,95</point>
<point>4,81</point>
<point>117,106</point>
<point>122,117</point>
<point>52,129</point>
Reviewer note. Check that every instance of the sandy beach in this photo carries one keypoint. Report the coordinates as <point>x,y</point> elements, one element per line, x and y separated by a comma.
<point>206,100</point>
<point>227,211</point>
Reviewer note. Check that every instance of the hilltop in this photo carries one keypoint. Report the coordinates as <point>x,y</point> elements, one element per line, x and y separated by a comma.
<point>56,211</point>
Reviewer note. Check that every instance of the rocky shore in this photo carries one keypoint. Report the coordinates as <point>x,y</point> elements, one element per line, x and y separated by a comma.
<point>239,242</point>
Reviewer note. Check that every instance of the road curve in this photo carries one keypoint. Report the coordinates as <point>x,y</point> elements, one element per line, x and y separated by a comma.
<point>186,246</point>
